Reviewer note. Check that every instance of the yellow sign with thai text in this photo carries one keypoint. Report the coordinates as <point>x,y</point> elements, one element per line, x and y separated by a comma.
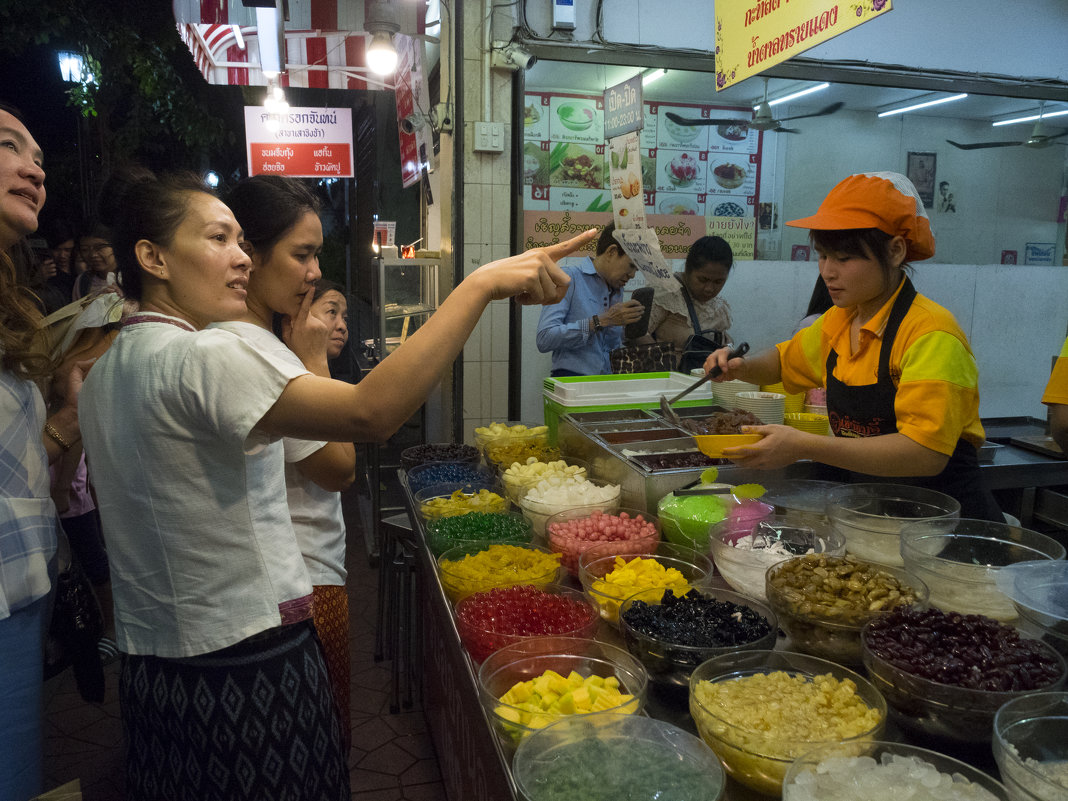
<point>752,35</point>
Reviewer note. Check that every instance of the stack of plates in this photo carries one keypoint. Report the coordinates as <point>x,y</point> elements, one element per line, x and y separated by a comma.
<point>794,403</point>
<point>812,423</point>
<point>768,406</point>
<point>726,393</point>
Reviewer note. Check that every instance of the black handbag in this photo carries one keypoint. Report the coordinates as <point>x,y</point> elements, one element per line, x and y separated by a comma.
<point>77,625</point>
<point>648,357</point>
<point>701,343</point>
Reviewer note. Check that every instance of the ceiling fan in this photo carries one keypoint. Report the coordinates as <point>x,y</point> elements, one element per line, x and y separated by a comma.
<point>762,117</point>
<point>1037,139</point>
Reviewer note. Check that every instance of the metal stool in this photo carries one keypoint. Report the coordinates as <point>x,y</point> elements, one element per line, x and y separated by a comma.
<point>397,634</point>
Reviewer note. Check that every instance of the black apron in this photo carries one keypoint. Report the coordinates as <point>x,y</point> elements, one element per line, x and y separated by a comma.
<point>868,411</point>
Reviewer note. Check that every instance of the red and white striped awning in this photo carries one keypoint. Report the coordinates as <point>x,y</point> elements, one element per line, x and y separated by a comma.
<point>325,42</point>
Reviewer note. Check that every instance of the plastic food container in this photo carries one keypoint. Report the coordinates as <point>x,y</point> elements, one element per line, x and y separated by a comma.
<point>573,532</point>
<point>548,498</point>
<point>1031,746</point>
<point>841,771</point>
<point>439,452</point>
<point>870,516</point>
<point>450,500</point>
<point>759,754</point>
<point>1039,591</point>
<point>743,557</point>
<point>715,445</point>
<point>499,564</point>
<point>444,533</point>
<point>671,661</point>
<point>959,561</point>
<point>822,624</point>
<point>616,756</point>
<point>520,612</point>
<point>959,715</point>
<point>430,474</point>
<point>694,569</point>
<point>529,660</point>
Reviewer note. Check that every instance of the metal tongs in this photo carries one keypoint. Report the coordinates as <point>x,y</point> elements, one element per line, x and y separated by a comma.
<point>665,405</point>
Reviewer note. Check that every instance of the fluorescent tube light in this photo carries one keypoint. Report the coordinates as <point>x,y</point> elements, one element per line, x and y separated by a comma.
<point>817,88</point>
<point>652,75</point>
<point>926,104</point>
<point>1032,117</point>
<point>268,31</point>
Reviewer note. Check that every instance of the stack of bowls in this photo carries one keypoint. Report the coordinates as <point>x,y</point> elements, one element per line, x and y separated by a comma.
<point>725,393</point>
<point>871,516</point>
<point>899,770</point>
<point>529,660</point>
<point>1040,592</point>
<point>1031,746</point>
<point>960,559</point>
<point>806,421</point>
<point>750,739</point>
<point>616,756</point>
<point>794,402</point>
<point>770,407</point>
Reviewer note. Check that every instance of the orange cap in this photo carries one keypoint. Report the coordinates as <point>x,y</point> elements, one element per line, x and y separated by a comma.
<point>884,200</point>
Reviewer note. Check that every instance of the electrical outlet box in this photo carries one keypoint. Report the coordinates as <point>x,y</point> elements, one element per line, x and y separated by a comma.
<point>489,137</point>
<point>564,15</point>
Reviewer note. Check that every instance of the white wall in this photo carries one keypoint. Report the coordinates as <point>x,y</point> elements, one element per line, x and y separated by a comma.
<point>990,37</point>
<point>1016,319</point>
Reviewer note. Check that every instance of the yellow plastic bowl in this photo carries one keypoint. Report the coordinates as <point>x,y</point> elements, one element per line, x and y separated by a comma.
<point>714,444</point>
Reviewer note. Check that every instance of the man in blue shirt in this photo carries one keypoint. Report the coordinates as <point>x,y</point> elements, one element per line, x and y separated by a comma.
<point>583,328</point>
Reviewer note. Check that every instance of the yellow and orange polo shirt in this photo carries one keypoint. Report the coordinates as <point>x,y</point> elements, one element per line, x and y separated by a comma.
<point>931,364</point>
<point>1057,388</point>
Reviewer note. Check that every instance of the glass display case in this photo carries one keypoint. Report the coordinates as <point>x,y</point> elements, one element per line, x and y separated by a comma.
<point>405,295</point>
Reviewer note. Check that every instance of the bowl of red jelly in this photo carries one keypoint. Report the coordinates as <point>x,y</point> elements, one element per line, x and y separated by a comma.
<point>501,616</point>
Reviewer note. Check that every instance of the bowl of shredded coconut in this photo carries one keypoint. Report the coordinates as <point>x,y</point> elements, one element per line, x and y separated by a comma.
<point>1031,746</point>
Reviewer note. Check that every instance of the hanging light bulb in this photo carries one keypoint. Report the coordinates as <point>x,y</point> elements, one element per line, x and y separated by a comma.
<point>381,55</point>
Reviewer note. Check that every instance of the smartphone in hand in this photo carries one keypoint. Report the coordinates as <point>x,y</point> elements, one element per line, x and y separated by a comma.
<point>644,295</point>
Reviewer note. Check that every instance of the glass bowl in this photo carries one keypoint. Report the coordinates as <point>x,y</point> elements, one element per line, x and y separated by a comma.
<point>501,616</point>
<point>671,661</point>
<point>686,519</point>
<point>824,616</point>
<point>439,452</point>
<point>444,533</point>
<point>545,500</point>
<point>803,502</point>
<point>572,532</point>
<point>517,444</point>
<point>954,714</point>
<point>451,500</point>
<point>616,756</point>
<point>756,742</point>
<point>517,478</point>
<point>626,577</point>
<point>479,566</point>
<point>516,713</point>
<point>843,770</point>
<point>959,560</point>
<point>430,474</point>
<point>870,516</point>
<point>1040,592</point>
<point>743,555</point>
<point>1031,746</point>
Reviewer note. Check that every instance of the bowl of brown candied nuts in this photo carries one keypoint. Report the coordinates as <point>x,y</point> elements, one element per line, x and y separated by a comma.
<point>823,602</point>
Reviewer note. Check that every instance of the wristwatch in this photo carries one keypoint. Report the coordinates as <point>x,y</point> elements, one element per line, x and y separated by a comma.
<point>597,324</point>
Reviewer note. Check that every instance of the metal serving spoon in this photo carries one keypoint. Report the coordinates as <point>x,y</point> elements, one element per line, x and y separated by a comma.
<point>665,405</point>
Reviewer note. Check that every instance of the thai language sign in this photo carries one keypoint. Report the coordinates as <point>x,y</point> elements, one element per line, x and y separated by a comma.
<point>623,110</point>
<point>754,35</point>
<point>299,142</point>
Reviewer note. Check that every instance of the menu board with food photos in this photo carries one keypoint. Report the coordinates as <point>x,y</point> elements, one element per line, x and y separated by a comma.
<point>710,171</point>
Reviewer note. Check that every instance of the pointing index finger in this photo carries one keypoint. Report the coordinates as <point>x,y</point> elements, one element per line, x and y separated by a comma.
<point>561,249</point>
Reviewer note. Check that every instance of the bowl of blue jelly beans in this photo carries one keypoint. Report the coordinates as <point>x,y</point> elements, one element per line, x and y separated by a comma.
<point>431,473</point>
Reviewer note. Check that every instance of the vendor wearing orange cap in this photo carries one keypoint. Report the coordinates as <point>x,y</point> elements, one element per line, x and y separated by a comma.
<point>901,380</point>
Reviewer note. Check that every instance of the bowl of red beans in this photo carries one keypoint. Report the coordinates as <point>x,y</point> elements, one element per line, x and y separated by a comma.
<point>944,674</point>
<point>671,633</point>
<point>501,616</point>
<point>572,532</point>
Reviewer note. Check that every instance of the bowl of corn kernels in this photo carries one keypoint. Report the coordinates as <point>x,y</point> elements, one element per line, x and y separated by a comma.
<point>817,702</point>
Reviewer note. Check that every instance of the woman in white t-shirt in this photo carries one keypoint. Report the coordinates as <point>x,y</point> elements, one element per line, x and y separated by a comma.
<point>283,236</point>
<point>223,689</point>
